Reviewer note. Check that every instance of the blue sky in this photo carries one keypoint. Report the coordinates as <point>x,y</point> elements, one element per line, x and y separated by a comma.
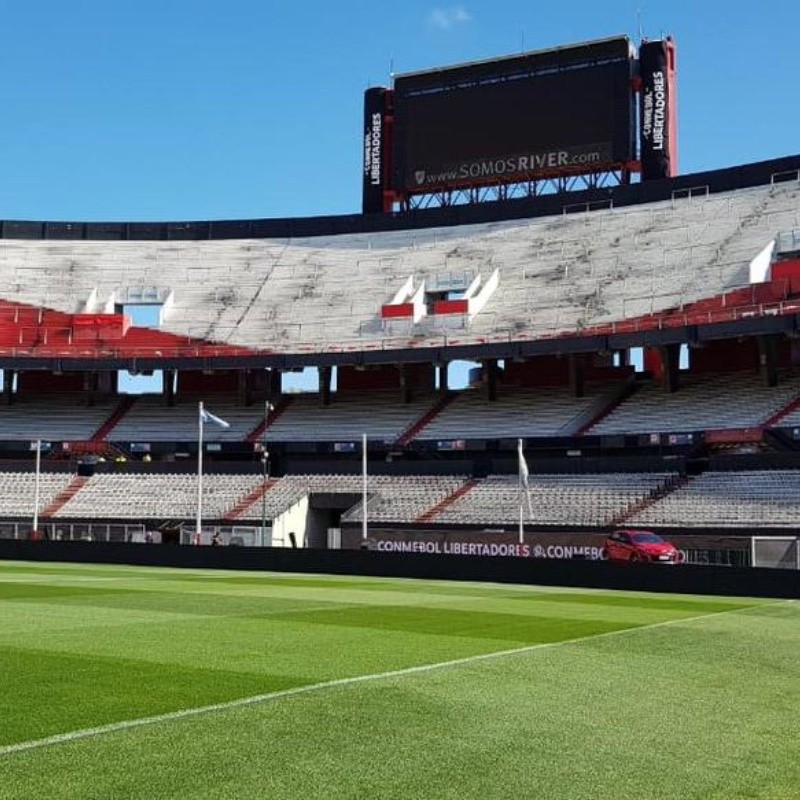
<point>198,110</point>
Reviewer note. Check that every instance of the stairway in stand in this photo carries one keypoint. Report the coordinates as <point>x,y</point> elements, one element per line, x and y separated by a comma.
<point>249,500</point>
<point>64,496</point>
<point>773,420</point>
<point>432,513</point>
<point>257,434</point>
<point>417,427</point>
<point>657,494</point>
<point>113,419</point>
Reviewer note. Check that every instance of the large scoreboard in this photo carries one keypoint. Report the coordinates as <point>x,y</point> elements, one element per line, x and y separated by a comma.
<point>564,111</point>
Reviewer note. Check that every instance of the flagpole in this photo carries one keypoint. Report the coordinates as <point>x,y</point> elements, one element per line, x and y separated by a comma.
<point>199,522</point>
<point>364,486</point>
<point>521,489</point>
<point>264,471</point>
<point>37,485</point>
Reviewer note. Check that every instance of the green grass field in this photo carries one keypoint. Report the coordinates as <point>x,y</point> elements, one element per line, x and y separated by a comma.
<point>123,682</point>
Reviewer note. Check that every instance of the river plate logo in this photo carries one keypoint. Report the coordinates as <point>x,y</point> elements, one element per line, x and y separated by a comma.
<point>419,176</point>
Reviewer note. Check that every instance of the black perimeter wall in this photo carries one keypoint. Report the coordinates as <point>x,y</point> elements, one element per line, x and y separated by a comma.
<point>688,579</point>
<point>722,180</point>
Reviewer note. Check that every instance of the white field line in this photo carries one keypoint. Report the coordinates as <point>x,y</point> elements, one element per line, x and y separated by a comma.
<point>113,727</point>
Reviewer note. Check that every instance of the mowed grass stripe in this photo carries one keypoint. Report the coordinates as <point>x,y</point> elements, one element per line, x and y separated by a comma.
<point>168,654</point>
<point>659,714</point>
<point>98,690</point>
<point>263,584</point>
<point>559,723</point>
<point>144,624</point>
<point>205,592</point>
<point>330,685</point>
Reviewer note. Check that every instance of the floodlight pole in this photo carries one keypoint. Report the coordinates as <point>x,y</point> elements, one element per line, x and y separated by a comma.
<point>264,471</point>
<point>36,485</point>
<point>199,521</point>
<point>364,486</point>
<point>520,489</point>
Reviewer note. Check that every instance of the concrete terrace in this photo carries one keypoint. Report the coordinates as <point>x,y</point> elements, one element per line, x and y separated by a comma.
<point>558,275</point>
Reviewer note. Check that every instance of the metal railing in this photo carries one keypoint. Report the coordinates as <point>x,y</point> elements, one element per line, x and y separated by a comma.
<point>79,532</point>
<point>229,535</point>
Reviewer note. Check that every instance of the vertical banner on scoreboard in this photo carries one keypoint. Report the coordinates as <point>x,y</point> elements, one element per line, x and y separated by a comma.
<point>658,111</point>
<point>375,141</point>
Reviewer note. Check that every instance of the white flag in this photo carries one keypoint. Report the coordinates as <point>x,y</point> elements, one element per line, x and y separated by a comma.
<point>207,416</point>
<point>523,466</point>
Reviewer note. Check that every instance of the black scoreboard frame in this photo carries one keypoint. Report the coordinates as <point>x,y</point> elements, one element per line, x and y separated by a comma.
<point>570,117</point>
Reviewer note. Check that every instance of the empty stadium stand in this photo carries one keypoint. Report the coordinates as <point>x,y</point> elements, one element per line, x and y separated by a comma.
<point>149,419</point>
<point>17,492</point>
<point>705,402</point>
<point>546,411</point>
<point>591,500</point>
<point>52,418</point>
<point>175,496</point>
<point>706,267</point>
<point>745,500</point>
<point>138,497</point>
<point>381,415</point>
<point>557,275</point>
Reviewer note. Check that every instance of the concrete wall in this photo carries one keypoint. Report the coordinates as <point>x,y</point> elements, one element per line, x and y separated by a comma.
<point>293,520</point>
<point>734,581</point>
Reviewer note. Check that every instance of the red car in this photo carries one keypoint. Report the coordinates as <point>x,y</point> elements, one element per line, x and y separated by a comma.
<point>635,546</point>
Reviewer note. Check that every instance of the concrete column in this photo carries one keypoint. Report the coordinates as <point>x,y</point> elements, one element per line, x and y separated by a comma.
<point>243,386</point>
<point>670,362</point>
<point>274,384</point>
<point>325,385</point>
<point>8,386</point>
<point>444,376</point>
<point>169,387</point>
<point>405,384</point>
<point>92,380</point>
<point>491,378</point>
<point>768,359</point>
<point>576,374</point>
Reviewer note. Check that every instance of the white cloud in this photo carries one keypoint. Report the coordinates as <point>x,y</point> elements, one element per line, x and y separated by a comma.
<point>446,18</point>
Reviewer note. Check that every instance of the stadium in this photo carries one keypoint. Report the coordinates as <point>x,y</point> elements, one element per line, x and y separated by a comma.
<point>532,336</point>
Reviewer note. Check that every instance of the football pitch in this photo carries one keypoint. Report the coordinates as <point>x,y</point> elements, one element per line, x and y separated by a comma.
<point>121,682</point>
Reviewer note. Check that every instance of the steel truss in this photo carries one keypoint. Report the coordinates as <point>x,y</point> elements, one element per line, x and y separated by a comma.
<point>472,195</point>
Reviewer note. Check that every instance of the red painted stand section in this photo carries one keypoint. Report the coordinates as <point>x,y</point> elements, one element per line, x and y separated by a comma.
<point>772,422</point>
<point>451,307</point>
<point>397,310</point>
<point>99,327</point>
<point>27,330</point>
<point>248,500</point>
<point>114,418</point>
<point>671,486</point>
<point>414,430</point>
<point>734,436</point>
<point>749,302</point>
<point>104,449</point>
<point>604,412</point>
<point>431,514</point>
<point>257,434</point>
<point>786,277</point>
<point>63,497</point>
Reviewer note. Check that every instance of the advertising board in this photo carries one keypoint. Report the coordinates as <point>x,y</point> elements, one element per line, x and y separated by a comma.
<point>564,111</point>
<point>657,110</point>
